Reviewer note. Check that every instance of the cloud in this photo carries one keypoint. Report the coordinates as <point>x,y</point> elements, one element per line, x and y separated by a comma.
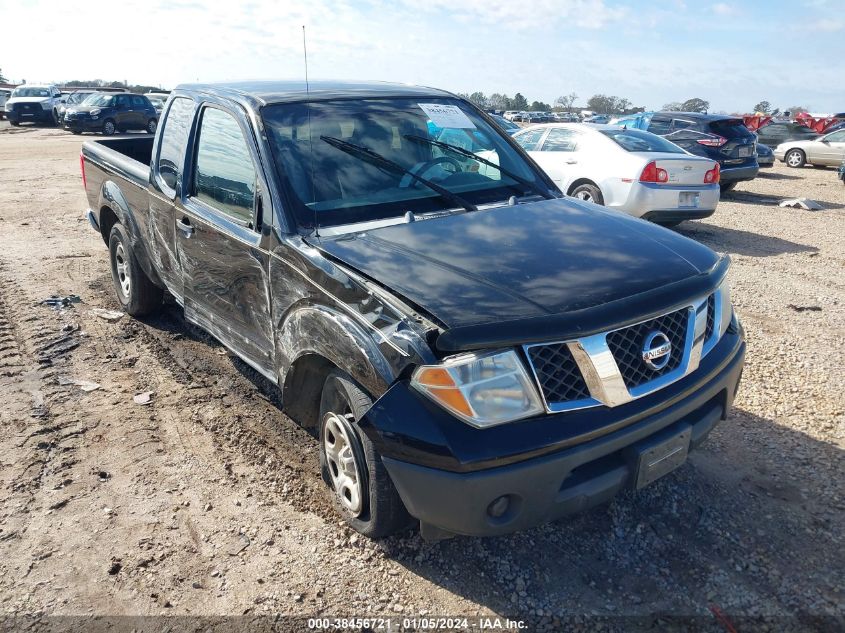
<point>525,14</point>
<point>724,9</point>
<point>827,25</point>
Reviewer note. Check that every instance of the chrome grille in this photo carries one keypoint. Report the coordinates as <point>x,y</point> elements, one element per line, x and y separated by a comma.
<point>626,345</point>
<point>558,374</point>
<point>711,317</point>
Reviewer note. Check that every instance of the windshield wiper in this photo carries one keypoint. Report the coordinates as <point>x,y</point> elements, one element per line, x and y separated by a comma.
<point>460,151</point>
<point>376,159</point>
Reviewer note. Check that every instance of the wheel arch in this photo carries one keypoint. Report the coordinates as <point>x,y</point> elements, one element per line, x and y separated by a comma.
<point>310,342</point>
<point>113,209</point>
<point>583,181</point>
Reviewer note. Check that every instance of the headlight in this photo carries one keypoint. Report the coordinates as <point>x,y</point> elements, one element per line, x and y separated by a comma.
<point>95,112</point>
<point>481,389</point>
<point>723,299</point>
<point>7,107</point>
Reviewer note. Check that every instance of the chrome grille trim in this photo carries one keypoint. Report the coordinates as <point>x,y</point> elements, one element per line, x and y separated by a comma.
<point>600,369</point>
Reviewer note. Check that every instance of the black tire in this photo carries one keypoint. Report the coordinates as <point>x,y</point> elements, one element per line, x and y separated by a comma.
<point>670,225</point>
<point>75,132</point>
<point>724,187</point>
<point>799,158</point>
<point>152,124</point>
<point>381,510</point>
<point>588,193</point>
<point>136,293</point>
<point>109,127</point>
<point>819,166</point>
<point>14,123</point>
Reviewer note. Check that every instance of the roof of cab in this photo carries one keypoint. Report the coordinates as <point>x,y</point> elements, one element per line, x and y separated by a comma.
<point>266,92</point>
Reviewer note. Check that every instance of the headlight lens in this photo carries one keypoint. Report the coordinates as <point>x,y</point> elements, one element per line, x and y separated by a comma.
<point>482,390</point>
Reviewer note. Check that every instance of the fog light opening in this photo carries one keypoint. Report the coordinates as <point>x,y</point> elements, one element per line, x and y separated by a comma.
<point>499,507</point>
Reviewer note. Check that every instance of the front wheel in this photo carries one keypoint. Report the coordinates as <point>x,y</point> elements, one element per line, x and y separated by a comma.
<point>588,193</point>
<point>796,158</point>
<point>350,465</point>
<point>108,127</point>
<point>136,293</point>
<point>151,126</point>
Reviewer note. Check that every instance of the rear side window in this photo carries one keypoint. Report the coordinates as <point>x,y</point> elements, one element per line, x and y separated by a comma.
<point>224,176</point>
<point>529,140</point>
<point>139,102</point>
<point>561,140</point>
<point>729,128</point>
<point>659,125</point>
<point>639,141</point>
<point>174,138</point>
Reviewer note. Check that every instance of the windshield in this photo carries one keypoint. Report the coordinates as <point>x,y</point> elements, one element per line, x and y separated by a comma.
<point>101,100</point>
<point>334,186</point>
<point>639,141</point>
<point>30,92</point>
<point>78,97</point>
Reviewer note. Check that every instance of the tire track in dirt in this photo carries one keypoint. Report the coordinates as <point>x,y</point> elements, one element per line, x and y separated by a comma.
<point>239,408</point>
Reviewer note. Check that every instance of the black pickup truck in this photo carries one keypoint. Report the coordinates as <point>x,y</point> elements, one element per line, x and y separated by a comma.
<point>472,348</point>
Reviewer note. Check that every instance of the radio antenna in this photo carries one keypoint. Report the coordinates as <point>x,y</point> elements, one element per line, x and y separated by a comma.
<point>310,135</point>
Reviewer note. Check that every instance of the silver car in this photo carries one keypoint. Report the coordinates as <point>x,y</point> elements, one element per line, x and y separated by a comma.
<point>827,150</point>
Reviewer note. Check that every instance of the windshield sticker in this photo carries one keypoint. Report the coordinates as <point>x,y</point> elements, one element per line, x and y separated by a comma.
<point>447,116</point>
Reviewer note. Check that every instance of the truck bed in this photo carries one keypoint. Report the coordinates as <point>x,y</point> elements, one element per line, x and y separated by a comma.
<point>116,160</point>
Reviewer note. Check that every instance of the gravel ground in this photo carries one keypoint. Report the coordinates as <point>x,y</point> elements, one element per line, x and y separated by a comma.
<point>207,501</point>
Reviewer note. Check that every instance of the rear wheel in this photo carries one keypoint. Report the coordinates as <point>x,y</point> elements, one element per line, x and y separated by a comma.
<point>109,127</point>
<point>350,464</point>
<point>588,193</point>
<point>151,126</point>
<point>795,158</point>
<point>136,293</point>
<point>727,186</point>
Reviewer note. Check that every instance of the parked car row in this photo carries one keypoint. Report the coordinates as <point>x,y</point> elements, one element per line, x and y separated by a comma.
<point>104,110</point>
<point>541,117</point>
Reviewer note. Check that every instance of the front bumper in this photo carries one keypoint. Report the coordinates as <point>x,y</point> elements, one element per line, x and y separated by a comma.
<point>738,174</point>
<point>575,478</point>
<point>29,115</point>
<point>86,124</point>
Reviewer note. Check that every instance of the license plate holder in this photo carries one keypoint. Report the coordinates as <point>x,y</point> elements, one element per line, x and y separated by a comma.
<point>689,199</point>
<point>744,151</point>
<point>656,457</point>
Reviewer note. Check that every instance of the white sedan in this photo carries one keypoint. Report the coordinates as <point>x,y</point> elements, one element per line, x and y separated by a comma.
<point>630,170</point>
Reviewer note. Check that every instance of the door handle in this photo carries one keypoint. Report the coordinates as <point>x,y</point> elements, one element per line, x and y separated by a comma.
<point>184,225</point>
<point>572,161</point>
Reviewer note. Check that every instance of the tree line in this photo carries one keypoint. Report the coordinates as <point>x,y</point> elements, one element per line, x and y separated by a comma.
<point>601,104</point>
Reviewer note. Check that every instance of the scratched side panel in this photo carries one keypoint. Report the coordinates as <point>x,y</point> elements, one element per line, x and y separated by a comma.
<point>319,307</point>
<point>226,289</point>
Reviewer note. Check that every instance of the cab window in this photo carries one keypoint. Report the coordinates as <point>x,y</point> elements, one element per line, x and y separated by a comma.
<point>174,139</point>
<point>224,175</point>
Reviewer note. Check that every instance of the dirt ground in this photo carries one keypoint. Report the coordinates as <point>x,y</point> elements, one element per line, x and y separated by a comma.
<point>208,501</point>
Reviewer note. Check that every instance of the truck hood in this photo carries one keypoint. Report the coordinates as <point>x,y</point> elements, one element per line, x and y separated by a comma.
<point>528,261</point>
<point>28,100</point>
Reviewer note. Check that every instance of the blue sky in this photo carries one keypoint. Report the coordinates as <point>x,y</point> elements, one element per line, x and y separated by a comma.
<point>734,54</point>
